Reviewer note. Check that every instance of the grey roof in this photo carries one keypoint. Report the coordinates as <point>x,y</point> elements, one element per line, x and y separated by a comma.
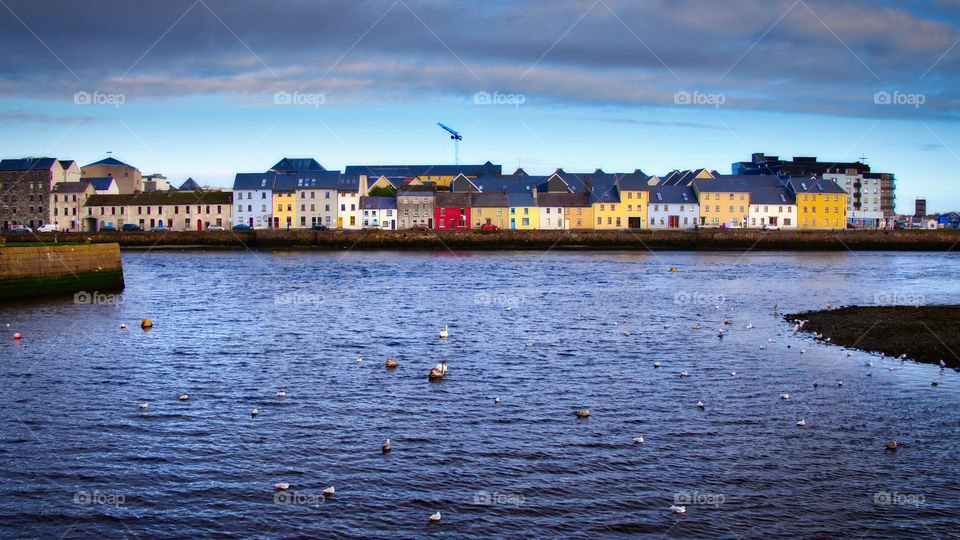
<point>736,183</point>
<point>446,199</point>
<point>672,195</point>
<point>254,180</point>
<point>417,191</point>
<point>110,162</point>
<point>189,185</point>
<point>71,187</point>
<point>65,163</point>
<point>603,188</point>
<point>771,195</point>
<point>293,165</point>
<point>634,181</point>
<point>521,199</point>
<point>158,198</point>
<point>378,203</point>
<point>563,199</point>
<point>809,185</point>
<point>285,182</point>
<point>514,184</point>
<point>100,183</point>
<point>489,200</point>
<point>408,171</point>
<point>27,164</point>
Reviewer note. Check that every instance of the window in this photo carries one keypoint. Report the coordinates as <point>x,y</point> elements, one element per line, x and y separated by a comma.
<point>629,194</point>
<point>601,208</point>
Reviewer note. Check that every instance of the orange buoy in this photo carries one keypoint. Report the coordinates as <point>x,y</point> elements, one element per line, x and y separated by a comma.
<point>146,323</point>
<point>17,336</point>
<point>673,269</point>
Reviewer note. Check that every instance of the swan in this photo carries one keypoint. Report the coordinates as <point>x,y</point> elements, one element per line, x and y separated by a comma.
<point>802,423</point>
<point>282,486</point>
<point>638,440</point>
<point>582,414</point>
<point>445,333</point>
<point>679,509</point>
<point>329,491</point>
<point>438,372</point>
<point>435,517</point>
<point>386,447</point>
<point>184,397</point>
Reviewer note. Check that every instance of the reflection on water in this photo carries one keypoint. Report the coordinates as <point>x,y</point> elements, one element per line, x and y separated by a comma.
<point>80,458</point>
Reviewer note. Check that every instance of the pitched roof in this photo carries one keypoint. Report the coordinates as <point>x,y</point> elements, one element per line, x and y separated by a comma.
<point>378,203</point>
<point>672,195</point>
<point>66,163</point>
<point>417,190</point>
<point>27,164</point>
<point>809,185</point>
<point>563,199</point>
<point>254,180</point>
<point>735,183</point>
<point>71,187</point>
<point>446,199</point>
<point>423,170</point>
<point>292,165</point>
<point>489,200</point>
<point>100,183</point>
<point>158,198</point>
<point>771,195</point>
<point>189,185</point>
<point>111,162</point>
<point>635,181</point>
<point>521,199</point>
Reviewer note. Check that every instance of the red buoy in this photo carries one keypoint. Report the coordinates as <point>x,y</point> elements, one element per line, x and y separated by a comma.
<point>17,336</point>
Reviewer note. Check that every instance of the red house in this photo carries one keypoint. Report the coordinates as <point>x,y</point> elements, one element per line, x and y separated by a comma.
<point>451,211</point>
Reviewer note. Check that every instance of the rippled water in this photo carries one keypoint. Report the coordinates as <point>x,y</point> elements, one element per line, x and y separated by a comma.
<point>78,458</point>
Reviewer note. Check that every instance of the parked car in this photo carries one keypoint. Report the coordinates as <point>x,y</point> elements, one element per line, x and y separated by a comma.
<point>108,228</point>
<point>20,228</point>
<point>160,228</point>
<point>421,228</point>
<point>489,227</point>
<point>49,227</point>
<point>131,227</point>
<point>214,228</point>
<point>242,227</point>
<point>320,227</point>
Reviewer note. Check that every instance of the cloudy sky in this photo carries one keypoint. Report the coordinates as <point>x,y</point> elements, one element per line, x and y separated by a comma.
<point>208,88</point>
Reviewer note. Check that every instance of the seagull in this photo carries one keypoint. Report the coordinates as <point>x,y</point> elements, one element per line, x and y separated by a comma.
<point>839,383</point>
<point>733,373</point>
<point>656,364</point>
<point>445,333</point>
<point>869,374</point>
<point>627,333</point>
<point>802,423</point>
<point>684,374</point>
<point>696,326</point>
<point>749,326</point>
<point>700,404</point>
<point>903,356</point>
<point>254,413</point>
<point>386,447</point>
<point>529,344</point>
<point>891,368</point>
<point>184,397</point>
<point>678,509</point>
<point>497,400</point>
<point>771,340</point>
<point>638,440</point>
<point>144,405</point>
<point>935,383</point>
<point>942,364</point>
<point>803,351</point>
<point>282,486</point>
<point>785,396</point>
<point>727,321</point>
<point>329,491</point>
<point>814,384</point>
<point>763,347</point>
<point>435,517</point>
<point>849,354</point>
<point>508,308</point>
<point>281,394</point>
<point>868,364</point>
<point>359,360</point>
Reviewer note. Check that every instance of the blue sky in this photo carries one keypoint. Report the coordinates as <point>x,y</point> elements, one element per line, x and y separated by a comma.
<point>204,86</point>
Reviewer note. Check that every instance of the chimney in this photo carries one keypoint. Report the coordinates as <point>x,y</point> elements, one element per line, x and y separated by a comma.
<point>589,185</point>
<point>534,192</point>
<point>506,191</point>
<point>363,185</point>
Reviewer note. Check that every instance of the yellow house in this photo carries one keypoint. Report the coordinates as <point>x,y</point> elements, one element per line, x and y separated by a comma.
<point>821,204</point>
<point>724,200</point>
<point>634,196</point>
<point>489,209</point>
<point>609,213</point>
<point>524,213</point>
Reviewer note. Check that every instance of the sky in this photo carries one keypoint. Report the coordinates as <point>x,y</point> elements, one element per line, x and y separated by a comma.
<point>210,88</point>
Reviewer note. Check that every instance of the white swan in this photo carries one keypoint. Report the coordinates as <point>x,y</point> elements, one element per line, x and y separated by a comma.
<point>678,509</point>
<point>281,486</point>
<point>435,517</point>
<point>802,423</point>
<point>638,440</point>
<point>329,491</point>
<point>445,333</point>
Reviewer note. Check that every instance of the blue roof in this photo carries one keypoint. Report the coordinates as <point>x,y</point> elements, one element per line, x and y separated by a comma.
<point>672,195</point>
<point>27,164</point>
<point>293,165</point>
<point>254,181</point>
<point>521,199</point>
<point>378,203</point>
<point>100,184</point>
<point>409,171</point>
<point>110,162</point>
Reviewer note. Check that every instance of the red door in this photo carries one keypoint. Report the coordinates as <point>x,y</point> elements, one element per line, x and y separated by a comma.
<point>199,225</point>
<point>674,222</point>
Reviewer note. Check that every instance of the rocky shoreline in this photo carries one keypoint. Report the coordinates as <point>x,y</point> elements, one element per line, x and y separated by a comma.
<point>926,334</point>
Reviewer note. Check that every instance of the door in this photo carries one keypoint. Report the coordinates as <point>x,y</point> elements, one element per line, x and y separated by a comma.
<point>199,225</point>
<point>339,222</point>
<point>251,223</point>
<point>773,221</point>
<point>674,222</point>
<point>430,223</point>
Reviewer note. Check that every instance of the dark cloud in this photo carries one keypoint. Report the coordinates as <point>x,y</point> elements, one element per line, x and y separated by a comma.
<point>813,56</point>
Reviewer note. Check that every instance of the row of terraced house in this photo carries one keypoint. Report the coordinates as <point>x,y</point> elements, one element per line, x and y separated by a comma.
<point>301,193</point>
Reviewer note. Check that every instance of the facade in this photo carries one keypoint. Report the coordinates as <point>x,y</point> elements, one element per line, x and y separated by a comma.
<point>821,204</point>
<point>672,207</point>
<point>772,207</point>
<point>415,205</point>
<point>864,197</point>
<point>723,201</point>
<point>489,209</point>
<point>174,210</point>
<point>524,212</point>
<point>26,184</point>
<point>379,213</point>
<point>452,211</point>
<point>635,197</point>
<point>67,203</point>
<point>253,199</point>
<point>71,171</point>
<point>155,182</point>
<point>316,199</point>
<point>348,200</point>
<point>103,186</point>
<point>284,197</point>
<point>551,215</point>
<point>128,178</point>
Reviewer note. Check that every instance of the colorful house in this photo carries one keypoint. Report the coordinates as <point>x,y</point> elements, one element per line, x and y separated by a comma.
<point>672,207</point>
<point>489,209</point>
<point>348,199</point>
<point>452,211</point>
<point>253,199</point>
<point>821,204</point>
<point>608,212</point>
<point>415,206</point>
<point>772,207</point>
<point>284,199</point>
<point>724,200</point>
<point>316,198</point>
<point>524,213</point>
<point>379,212</point>
<point>634,197</point>
<point>439,175</point>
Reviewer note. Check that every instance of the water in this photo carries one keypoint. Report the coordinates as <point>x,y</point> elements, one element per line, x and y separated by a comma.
<point>78,458</point>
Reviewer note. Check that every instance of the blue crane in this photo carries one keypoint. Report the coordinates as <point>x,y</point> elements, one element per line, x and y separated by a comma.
<point>456,142</point>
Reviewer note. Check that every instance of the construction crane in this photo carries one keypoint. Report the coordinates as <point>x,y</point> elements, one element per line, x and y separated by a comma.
<point>456,142</point>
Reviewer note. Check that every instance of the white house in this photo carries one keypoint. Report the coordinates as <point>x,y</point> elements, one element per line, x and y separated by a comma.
<point>253,199</point>
<point>316,198</point>
<point>672,207</point>
<point>379,212</point>
<point>773,207</point>
<point>348,201</point>
<point>863,197</point>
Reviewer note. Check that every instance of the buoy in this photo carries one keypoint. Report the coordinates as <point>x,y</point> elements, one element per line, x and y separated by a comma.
<point>17,336</point>
<point>146,323</point>
<point>673,269</point>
